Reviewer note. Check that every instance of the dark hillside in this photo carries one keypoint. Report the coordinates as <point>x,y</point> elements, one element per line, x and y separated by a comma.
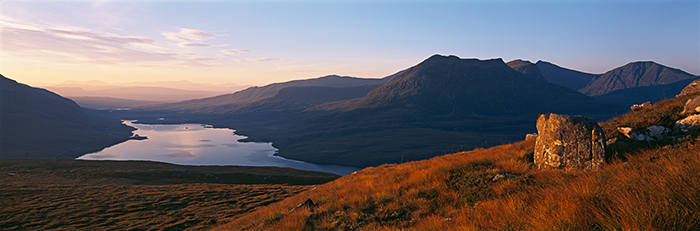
<point>36,123</point>
<point>637,95</point>
<point>571,79</point>
<point>229,103</point>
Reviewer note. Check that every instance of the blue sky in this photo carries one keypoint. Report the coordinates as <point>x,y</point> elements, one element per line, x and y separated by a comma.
<point>260,42</point>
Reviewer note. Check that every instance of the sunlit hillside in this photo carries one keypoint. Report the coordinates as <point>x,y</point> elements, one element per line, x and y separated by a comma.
<point>648,187</point>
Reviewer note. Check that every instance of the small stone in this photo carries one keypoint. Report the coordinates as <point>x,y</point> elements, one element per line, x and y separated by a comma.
<point>503,176</point>
<point>308,204</point>
<point>625,131</point>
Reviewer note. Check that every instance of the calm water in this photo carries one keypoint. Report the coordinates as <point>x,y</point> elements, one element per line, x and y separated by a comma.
<point>196,144</point>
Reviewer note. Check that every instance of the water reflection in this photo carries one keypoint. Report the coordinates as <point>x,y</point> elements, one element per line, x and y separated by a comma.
<point>196,144</point>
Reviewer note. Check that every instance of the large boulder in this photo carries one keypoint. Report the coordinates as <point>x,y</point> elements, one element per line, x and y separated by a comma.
<point>569,142</point>
<point>692,106</point>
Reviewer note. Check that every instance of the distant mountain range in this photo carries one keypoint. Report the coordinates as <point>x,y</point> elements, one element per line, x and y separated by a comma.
<point>632,83</point>
<point>36,123</point>
<point>233,102</point>
<point>444,104</point>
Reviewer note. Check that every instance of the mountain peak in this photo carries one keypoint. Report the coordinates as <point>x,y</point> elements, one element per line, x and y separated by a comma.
<point>634,74</point>
<point>529,69</point>
<point>450,85</point>
<point>454,59</point>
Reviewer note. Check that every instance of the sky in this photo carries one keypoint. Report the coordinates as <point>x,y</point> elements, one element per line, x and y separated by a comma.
<point>261,42</point>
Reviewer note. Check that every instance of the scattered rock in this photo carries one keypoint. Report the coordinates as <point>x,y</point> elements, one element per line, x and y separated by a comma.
<point>650,133</point>
<point>625,131</point>
<point>307,204</point>
<point>568,142</point>
<point>692,106</point>
<point>639,107</point>
<point>657,132</point>
<point>689,125</point>
<point>504,176</point>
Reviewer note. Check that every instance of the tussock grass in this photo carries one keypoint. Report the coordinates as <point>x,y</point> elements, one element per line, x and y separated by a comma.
<point>652,188</point>
<point>138,195</point>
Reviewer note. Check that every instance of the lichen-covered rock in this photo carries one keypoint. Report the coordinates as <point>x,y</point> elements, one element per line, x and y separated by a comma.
<point>569,142</point>
<point>692,106</point>
<point>689,125</point>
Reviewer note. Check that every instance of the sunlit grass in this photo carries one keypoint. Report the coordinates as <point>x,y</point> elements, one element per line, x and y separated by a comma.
<point>655,188</point>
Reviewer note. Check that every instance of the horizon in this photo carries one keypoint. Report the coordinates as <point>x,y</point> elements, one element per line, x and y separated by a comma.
<point>258,43</point>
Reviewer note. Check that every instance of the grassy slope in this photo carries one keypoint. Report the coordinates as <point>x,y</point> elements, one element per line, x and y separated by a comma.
<point>654,188</point>
<point>141,195</point>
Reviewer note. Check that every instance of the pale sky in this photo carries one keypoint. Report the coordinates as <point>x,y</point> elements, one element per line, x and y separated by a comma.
<point>260,42</point>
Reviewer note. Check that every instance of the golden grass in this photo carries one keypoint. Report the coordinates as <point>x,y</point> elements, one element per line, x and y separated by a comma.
<point>654,189</point>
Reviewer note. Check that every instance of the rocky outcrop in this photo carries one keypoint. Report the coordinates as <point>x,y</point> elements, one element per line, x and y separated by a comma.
<point>691,88</point>
<point>692,106</point>
<point>687,126</point>
<point>569,142</point>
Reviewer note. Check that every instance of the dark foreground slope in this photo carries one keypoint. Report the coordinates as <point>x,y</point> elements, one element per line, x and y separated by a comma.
<point>36,123</point>
<point>138,195</point>
<point>652,188</point>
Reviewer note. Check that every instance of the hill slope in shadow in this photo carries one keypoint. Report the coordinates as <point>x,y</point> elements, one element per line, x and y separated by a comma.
<point>36,123</point>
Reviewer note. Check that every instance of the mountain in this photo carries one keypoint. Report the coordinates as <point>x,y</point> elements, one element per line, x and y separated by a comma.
<point>229,103</point>
<point>571,79</point>
<point>443,104</point>
<point>635,74</point>
<point>527,68</point>
<point>36,123</point>
<point>450,85</point>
